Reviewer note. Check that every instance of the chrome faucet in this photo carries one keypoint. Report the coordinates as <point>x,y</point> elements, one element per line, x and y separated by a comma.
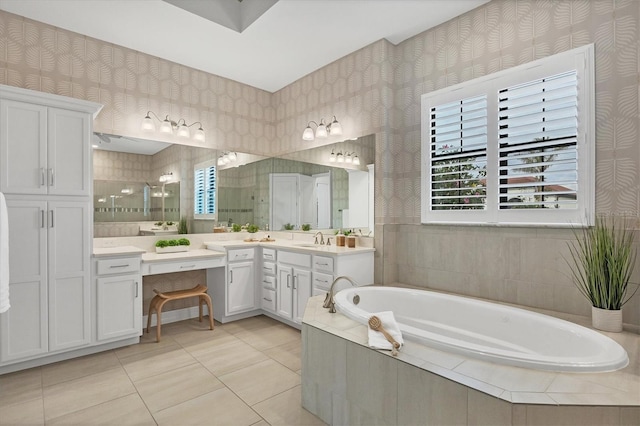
<point>321,238</point>
<point>329,302</point>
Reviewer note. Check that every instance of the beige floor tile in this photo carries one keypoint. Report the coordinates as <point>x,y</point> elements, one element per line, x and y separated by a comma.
<point>261,423</point>
<point>20,387</point>
<point>78,394</point>
<point>269,337</point>
<point>176,386</point>
<point>185,331</point>
<point>288,354</point>
<point>253,323</point>
<point>147,344</point>
<point>260,381</point>
<point>149,364</point>
<point>286,409</point>
<point>23,413</point>
<point>203,345</point>
<point>78,367</point>
<point>127,410</point>
<point>230,357</point>
<point>220,407</point>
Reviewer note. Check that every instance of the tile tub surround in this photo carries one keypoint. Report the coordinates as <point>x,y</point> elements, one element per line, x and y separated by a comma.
<point>427,386</point>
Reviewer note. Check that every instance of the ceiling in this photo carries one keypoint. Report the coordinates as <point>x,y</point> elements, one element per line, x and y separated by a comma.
<point>265,47</point>
<point>119,143</point>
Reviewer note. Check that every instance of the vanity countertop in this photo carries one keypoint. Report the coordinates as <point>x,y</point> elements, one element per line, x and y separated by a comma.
<point>302,246</point>
<point>117,251</point>
<point>151,257</point>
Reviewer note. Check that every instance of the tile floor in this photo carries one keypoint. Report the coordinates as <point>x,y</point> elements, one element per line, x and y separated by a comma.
<point>243,373</point>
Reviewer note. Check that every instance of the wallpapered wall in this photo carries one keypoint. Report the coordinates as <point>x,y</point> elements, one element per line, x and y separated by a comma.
<point>377,90</point>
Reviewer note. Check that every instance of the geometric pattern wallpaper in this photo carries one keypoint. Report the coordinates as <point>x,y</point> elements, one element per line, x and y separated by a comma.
<point>375,90</point>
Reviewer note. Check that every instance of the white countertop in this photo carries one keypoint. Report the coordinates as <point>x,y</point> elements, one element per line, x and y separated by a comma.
<point>301,246</point>
<point>152,257</point>
<point>115,251</point>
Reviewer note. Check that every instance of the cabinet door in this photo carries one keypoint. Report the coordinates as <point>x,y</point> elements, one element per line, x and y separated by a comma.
<point>119,306</point>
<point>23,328</point>
<point>241,287</point>
<point>23,148</point>
<point>301,292</point>
<point>69,240</point>
<point>69,153</point>
<point>285,292</point>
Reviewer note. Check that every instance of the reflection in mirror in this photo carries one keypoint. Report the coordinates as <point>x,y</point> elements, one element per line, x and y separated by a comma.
<point>116,201</point>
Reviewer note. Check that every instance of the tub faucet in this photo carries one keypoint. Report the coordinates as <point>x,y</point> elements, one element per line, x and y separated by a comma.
<point>321,238</point>
<point>328,300</point>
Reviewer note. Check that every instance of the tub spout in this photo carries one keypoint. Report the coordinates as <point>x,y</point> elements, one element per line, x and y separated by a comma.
<point>328,300</point>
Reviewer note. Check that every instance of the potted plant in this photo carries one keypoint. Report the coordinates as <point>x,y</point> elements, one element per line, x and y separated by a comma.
<point>172,246</point>
<point>306,226</point>
<point>602,260</point>
<point>182,226</point>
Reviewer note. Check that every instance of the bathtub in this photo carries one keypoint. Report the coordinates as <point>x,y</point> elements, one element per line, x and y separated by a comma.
<point>486,331</point>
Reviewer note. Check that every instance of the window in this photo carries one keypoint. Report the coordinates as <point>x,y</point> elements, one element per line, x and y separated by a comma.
<point>204,204</point>
<point>515,147</point>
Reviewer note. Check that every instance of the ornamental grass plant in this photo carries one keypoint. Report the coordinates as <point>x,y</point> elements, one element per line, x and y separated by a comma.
<point>602,260</point>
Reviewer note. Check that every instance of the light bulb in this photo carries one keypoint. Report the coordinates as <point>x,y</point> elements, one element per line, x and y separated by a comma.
<point>166,127</point>
<point>340,158</point>
<point>199,135</point>
<point>335,127</point>
<point>321,131</point>
<point>332,157</point>
<point>233,156</point>
<point>147,124</point>
<point>307,135</point>
<point>356,160</point>
<point>183,131</point>
<point>220,161</point>
<point>348,158</point>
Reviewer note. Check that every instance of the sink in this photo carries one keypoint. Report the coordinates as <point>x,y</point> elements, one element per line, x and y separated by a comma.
<point>307,245</point>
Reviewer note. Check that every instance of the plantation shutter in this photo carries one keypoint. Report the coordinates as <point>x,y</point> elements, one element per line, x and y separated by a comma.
<point>199,191</point>
<point>458,154</point>
<point>538,134</point>
<point>204,191</point>
<point>210,183</point>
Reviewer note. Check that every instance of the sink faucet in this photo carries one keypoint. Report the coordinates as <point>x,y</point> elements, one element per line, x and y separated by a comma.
<point>321,238</point>
<point>328,300</point>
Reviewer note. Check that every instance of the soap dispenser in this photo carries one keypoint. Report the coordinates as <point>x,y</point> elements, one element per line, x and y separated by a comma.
<point>340,239</point>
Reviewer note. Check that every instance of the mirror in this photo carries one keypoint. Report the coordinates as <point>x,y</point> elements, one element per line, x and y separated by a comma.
<point>243,193</point>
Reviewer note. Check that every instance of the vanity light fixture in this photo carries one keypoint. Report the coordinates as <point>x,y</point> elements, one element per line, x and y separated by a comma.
<point>166,177</point>
<point>322,130</point>
<point>347,157</point>
<point>226,158</point>
<point>168,126</point>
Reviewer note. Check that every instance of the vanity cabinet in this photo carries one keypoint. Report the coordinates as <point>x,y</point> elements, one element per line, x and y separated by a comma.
<point>241,287</point>
<point>50,279</point>
<point>44,150</point>
<point>118,297</point>
<point>45,164</point>
<point>294,284</point>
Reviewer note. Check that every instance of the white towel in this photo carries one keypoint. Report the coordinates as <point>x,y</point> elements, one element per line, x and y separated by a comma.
<point>377,339</point>
<point>4,255</point>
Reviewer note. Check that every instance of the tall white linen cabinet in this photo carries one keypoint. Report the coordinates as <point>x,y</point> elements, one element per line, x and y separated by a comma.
<point>45,174</point>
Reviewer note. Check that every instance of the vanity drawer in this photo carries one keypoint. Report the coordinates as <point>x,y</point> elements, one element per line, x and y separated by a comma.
<point>322,281</point>
<point>118,266</point>
<point>269,299</point>
<point>181,266</point>
<point>323,263</point>
<point>268,254</point>
<point>269,282</point>
<point>240,254</point>
<point>297,259</point>
<point>269,268</point>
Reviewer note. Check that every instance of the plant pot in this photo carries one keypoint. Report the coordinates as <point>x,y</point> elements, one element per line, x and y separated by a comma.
<point>172,249</point>
<point>606,320</point>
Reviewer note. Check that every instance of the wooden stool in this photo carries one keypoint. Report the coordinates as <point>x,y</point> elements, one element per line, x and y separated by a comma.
<point>160,299</point>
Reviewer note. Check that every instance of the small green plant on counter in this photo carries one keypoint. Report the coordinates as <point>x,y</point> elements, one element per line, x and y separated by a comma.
<point>236,227</point>
<point>252,229</point>
<point>173,243</point>
<point>288,227</point>
<point>169,223</point>
<point>158,223</point>
<point>182,226</point>
<point>306,226</point>
<point>344,232</point>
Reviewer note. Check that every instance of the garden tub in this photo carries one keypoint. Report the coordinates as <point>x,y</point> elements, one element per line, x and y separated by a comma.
<point>485,330</point>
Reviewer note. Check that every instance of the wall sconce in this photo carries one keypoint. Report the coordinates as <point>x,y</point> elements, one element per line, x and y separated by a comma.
<point>322,130</point>
<point>347,157</point>
<point>166,177</point>
<point>226,158</point>
<point>168,126</point>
